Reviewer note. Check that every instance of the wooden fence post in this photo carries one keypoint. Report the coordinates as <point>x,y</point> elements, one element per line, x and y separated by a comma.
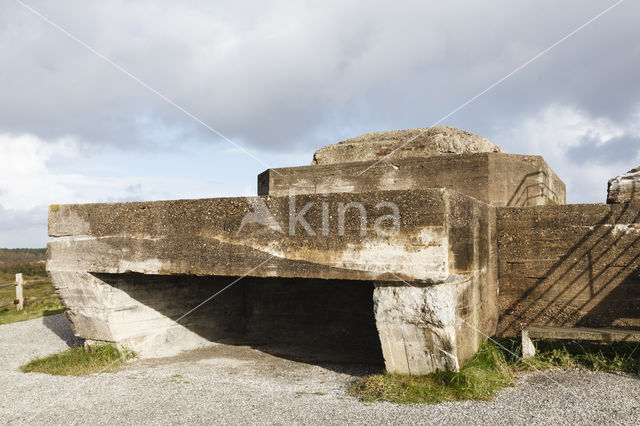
<point>19,296</point>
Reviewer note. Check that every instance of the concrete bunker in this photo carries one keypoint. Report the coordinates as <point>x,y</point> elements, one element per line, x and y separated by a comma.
<point>485,246</point>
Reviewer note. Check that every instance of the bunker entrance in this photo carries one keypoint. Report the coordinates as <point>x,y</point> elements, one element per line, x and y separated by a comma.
<point>305,319</point>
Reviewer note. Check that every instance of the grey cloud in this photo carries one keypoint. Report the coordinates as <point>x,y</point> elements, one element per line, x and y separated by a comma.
<point>619,150</point>
<point>23,228</point>
<point>278,76</point>
<point>132,192</point>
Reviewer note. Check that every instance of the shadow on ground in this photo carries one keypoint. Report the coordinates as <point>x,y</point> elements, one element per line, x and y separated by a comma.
<point>59,324</point>
<point>323,322</point>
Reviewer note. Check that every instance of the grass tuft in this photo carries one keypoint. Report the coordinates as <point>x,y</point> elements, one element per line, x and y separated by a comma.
<point>79,361</point>
<point>479,379</point>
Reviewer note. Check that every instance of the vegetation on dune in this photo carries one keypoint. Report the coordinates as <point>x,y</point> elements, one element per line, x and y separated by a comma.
<point>32,270</point>
<point>40,298</point>
<point>621,357</point>
<point>9,256</point>
<point>79,361</point>
<point>494,368</point>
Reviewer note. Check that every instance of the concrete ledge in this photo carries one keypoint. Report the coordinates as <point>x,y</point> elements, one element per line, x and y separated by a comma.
<point>494,178</point>
<point>560,333</point>
<point>594,334</point>
<point>208,237</point>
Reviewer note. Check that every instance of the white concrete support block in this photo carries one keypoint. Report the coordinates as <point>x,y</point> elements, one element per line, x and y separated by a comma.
<point>19,292</point>
<point>419,326</point>
<point>528,349</point>
<point>103,314</point>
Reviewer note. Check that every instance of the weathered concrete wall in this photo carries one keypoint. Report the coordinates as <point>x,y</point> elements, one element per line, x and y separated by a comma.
<point>523,180</point>
<point>573,265</point>
<point>494,178</point>
<point>315,273</point>
<point>208,237</point>
<point>440,245</point>
<point>425,328</point>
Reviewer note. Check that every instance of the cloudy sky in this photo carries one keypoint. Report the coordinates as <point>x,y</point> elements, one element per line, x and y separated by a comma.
<point>281,79</point>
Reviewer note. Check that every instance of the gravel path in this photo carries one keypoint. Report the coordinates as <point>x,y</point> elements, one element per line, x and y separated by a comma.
<point>239,385</point>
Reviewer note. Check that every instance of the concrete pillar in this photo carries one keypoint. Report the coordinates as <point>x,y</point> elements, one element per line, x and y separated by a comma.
<point>419,327</point>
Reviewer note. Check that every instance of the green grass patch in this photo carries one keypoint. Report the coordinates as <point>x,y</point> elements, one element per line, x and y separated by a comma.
<point>25,255</point>
<point>37,309</point>
<point>494,368</point>
<point>79,361</point>
<point>479,379</point>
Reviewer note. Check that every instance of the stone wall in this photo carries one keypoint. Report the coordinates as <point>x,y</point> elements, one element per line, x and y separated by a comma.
<point>573,265</point>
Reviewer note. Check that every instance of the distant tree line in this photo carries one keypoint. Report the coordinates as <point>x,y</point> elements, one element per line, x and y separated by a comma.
<point>29,269</point>
<point>11,256</point>
<point>31,262</point>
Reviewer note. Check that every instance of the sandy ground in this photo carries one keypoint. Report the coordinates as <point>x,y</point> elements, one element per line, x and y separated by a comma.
<point>240,385</point>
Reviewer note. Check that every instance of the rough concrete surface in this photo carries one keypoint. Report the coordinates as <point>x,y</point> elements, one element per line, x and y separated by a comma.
<point>394,144</point>
<point>207,237</point>
<point>624,188</point>
<point>494,178</point>
<point>237,385</point>
<point>419,327</point>
<point>569,266</point>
